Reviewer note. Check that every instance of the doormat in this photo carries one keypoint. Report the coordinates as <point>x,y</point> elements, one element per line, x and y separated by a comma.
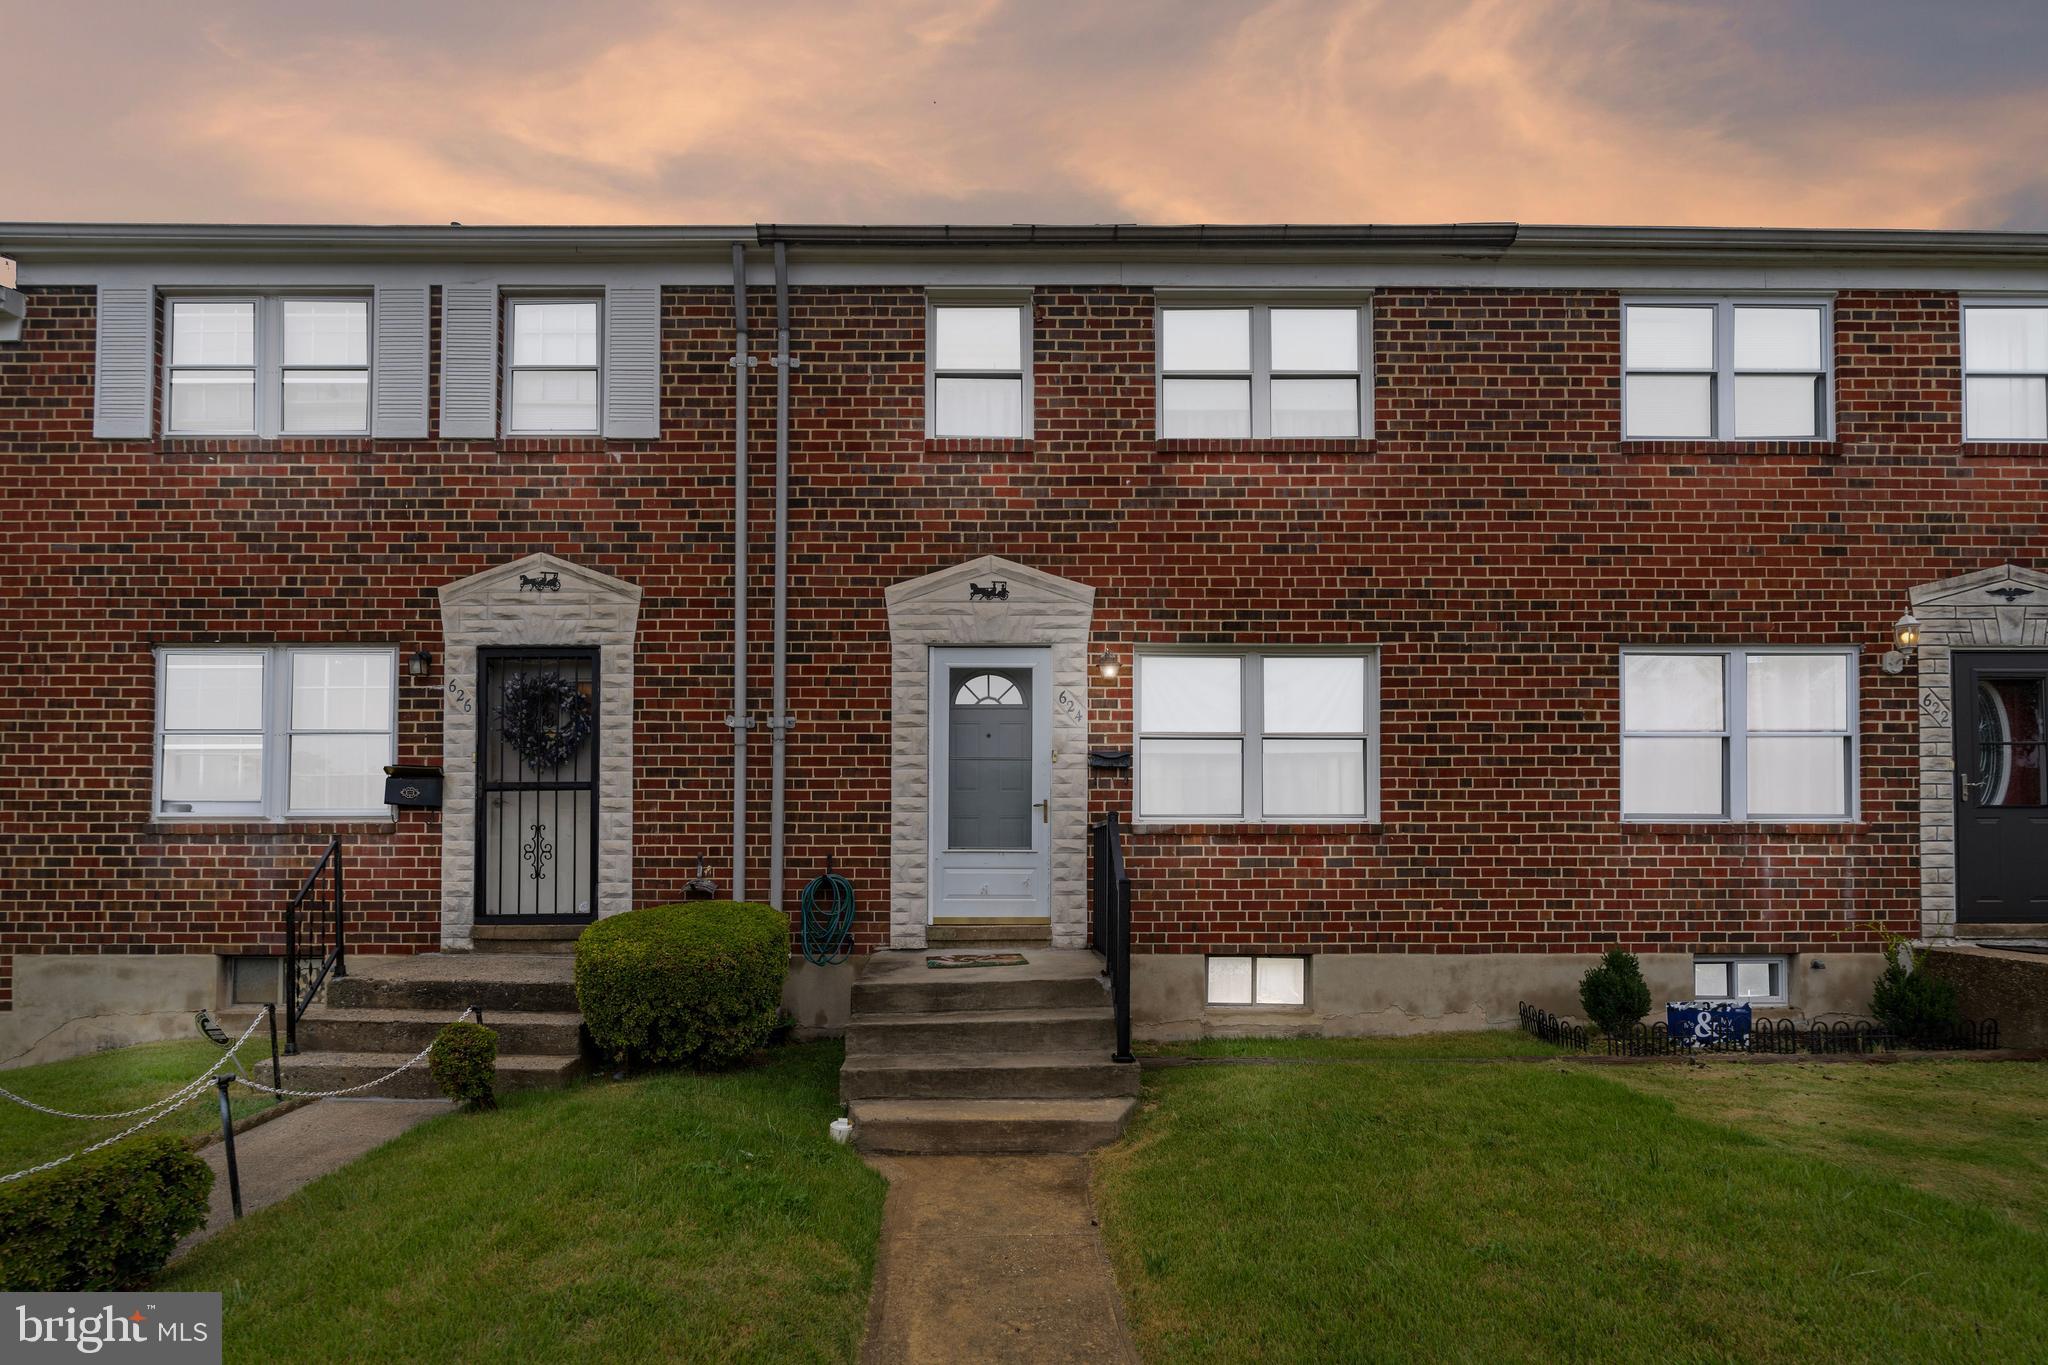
<point>976,960</point>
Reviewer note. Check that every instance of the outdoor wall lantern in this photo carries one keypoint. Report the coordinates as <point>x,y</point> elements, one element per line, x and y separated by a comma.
<point>421,662</point>
<point>1906,636</point>
<point>1107,666</point>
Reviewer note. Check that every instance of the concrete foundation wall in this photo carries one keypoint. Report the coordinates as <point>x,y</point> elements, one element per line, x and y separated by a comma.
<point>1359,994</point>
<point>69,1005</point>
<point>1994,983</point>
<point>820,998</point>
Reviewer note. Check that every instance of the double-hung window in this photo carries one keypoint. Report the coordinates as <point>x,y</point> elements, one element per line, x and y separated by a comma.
<point>274,732</point>
<point>1263,371</point>
<point>554,378</point>
<point>2005,371</point>
<point>267,366</point>
<point>1738,734</point>
<point>978,381</point>
<point>1725,369</point>
<point>1228,737</point>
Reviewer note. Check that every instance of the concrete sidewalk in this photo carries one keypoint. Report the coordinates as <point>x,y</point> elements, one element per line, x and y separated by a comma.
<point>290,1151</point>
<point>992,1258</point>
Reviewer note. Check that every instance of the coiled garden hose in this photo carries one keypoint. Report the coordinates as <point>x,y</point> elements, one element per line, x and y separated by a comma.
<point>828,919</point>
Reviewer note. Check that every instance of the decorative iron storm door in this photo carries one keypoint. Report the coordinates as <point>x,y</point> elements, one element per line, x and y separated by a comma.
<point>536,845</point>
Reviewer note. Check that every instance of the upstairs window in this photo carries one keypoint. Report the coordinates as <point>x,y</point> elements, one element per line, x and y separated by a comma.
<point>1738,734</point>
<point>979,375</point>
<point>1262,371</point>
<point>553,374</point>
<point>274,733</point>
<point>2005,372</point>
<point>1722,369</point>
<point>1276,737</point>
<point>271,366</point>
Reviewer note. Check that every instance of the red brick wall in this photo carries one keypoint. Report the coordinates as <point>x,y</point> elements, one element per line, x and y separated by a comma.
<point>1497,541</point>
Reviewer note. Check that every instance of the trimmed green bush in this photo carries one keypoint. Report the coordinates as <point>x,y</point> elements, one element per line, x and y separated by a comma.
<point>464,1063</point>
<point>104,1221</point>
<point>1614,994</point>
<point>698,983</point>
<point>1913,1005</point>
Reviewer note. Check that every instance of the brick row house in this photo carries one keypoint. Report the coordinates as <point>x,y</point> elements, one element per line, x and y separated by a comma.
<point>1434,607</point>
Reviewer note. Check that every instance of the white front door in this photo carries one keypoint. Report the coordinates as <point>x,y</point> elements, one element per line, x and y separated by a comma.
<point>991,784</point>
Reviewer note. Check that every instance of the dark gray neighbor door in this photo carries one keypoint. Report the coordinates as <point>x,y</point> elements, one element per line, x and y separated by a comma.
<point>536,845</point>
<point>2001,739</point>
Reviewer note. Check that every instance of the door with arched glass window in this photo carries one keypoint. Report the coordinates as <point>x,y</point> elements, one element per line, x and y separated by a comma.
<point>991,785</point>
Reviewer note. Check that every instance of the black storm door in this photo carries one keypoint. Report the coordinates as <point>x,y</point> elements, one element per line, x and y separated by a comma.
<point>536,844</point>
<point>2001,720</point>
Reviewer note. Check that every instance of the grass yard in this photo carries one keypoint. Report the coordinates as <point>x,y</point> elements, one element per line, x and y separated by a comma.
<point>1484,1043</point>
<point>1537,1211</point>
<point>672,1217</point>
<point>108,1082</point>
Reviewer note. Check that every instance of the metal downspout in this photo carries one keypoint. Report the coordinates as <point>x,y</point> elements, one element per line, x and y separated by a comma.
<point>739,720</point>
<point>778,719</point>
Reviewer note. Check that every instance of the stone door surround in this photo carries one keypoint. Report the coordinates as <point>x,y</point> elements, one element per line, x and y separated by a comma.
<point>538,600</point>
<point>987,601</point>
<point>2000,608</point>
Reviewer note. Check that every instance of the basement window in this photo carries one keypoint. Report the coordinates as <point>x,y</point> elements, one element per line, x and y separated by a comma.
<point>1258,980</point>
<point>1741,980</point>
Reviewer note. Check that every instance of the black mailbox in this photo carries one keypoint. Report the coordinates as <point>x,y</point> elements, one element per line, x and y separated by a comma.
<point>406,786</point>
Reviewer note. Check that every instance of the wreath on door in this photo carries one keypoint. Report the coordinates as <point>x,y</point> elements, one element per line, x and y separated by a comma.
<point>546,718</point>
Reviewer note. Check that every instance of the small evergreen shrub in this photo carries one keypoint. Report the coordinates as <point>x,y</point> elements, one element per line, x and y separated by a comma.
<point>464,1063</point>
<point>102,1222</point>
<point>698,983</point>
<point>1614,994</point>
<point>1912,1005</point>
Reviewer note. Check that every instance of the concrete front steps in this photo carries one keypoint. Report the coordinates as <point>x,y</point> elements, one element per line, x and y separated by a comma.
<point>388,1008</point>
<point>985,1059</point>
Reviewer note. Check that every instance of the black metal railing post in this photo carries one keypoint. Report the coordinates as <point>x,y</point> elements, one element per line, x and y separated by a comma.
<point>276,1071</point>
<point>1123,968</point>
<point>227,1137</point>
<point>340,912</point>
<point>289,986</point>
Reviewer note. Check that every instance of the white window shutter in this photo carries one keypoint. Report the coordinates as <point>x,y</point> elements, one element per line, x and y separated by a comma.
<point>400,357</point>
<point>469,360</point>
<point>632,362</point>
<point>124,363</point>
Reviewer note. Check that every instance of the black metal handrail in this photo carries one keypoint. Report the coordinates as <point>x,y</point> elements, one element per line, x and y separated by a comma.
<point>1109,908</point>
<point>315,938</point>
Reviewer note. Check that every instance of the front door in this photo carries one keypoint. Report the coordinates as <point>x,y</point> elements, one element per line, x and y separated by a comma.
<point>536,839</point>
<point>2001,729</point>
<point>991,784</point>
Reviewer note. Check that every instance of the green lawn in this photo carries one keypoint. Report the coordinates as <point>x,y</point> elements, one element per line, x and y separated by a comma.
<point>1568,1211</point>
<point>107,1082</point>
<point>673,1217</point>
<point>1485,1043</point>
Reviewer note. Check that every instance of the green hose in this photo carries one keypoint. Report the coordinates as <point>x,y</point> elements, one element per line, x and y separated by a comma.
<point>828,920</point>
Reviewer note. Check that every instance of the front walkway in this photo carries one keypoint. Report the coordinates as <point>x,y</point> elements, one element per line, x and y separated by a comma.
<point>992,1258</point>
<point>291,1151</point>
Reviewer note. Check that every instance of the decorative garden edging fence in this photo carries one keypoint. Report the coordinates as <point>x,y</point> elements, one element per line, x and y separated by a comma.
<point>1771,1037</point>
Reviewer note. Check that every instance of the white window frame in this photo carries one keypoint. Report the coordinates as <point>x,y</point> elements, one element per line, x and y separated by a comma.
<point>508,305</point>
<point>1734,735</point>
<point>1251,735</point>
<point>269,368</point>
<point>1027,403</point>
<point>2039,301</point>
<point>1261,374</point>
<point>1210,1001</point>
<point>277,731</point>
<point>1779,964</point>
<point>1722,377</point>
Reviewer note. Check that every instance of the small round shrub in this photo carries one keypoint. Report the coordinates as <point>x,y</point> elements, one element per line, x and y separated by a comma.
<point>1614,994</point>
<point>104,1221</point>
<point>1913,1005</point>
<point>698,983</point>
<point>464,1062</point>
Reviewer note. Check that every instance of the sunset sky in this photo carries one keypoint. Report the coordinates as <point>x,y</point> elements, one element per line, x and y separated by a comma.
<point>1882,113</point>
